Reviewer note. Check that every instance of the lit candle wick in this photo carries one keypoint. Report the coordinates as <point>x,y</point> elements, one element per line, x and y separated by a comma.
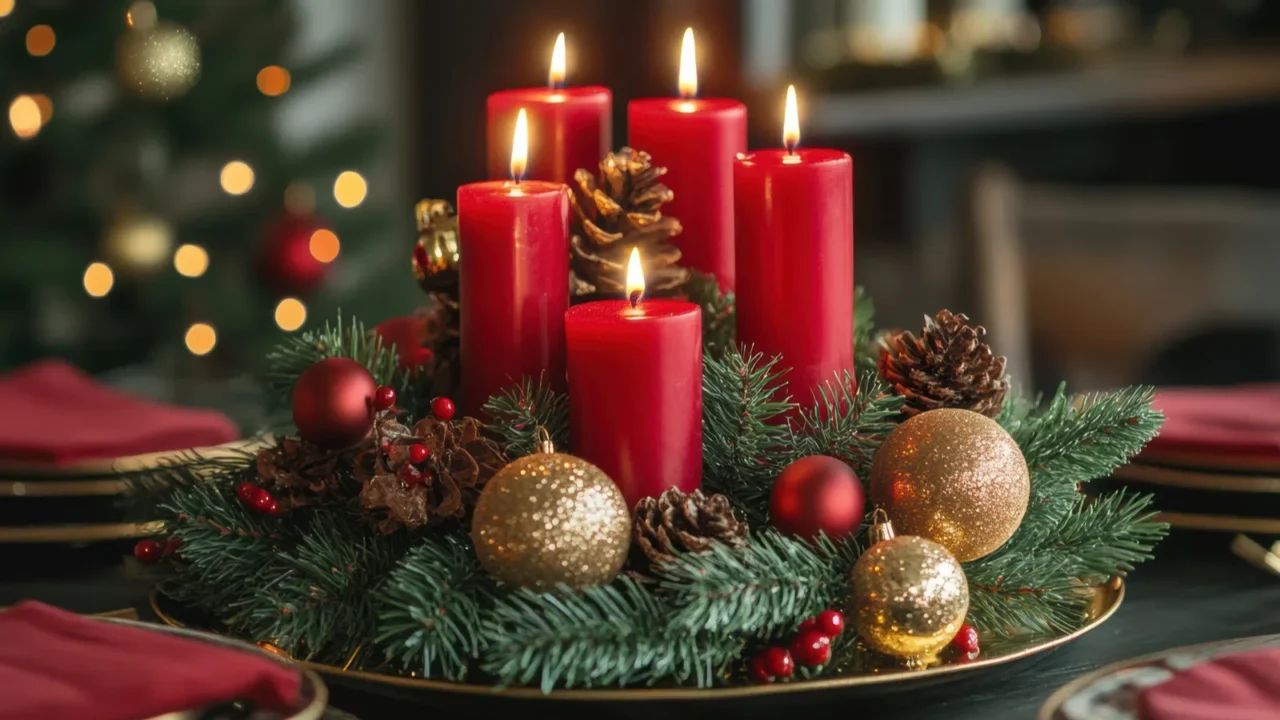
<point>520,147</point>
<point>688,67</point>
<point>635,298</point>
<point>635,278</point>
<point>791,122</point>
<point>555,78</point>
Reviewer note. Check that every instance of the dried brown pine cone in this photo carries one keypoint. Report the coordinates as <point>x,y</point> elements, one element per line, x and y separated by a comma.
<point>677,522</point>
<point>301,474</point>
<point>948,366</point>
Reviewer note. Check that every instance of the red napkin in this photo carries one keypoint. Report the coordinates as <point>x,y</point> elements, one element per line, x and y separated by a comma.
<point>1245,686</point>
<point>56,665</point>
<point>55,414</point>
<point>1238,422</point>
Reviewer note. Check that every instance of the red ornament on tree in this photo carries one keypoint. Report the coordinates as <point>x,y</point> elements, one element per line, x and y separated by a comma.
<point>333,403</point>
<point>285,262</point>
<point>442,409</point>
<point>147,551</point>
<point>817,493</point>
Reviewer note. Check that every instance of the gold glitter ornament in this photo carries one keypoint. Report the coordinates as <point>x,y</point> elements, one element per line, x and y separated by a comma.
<point>160,63</point>
<point>551,518</point>
<point>954,477</point>
<point>910,595</point>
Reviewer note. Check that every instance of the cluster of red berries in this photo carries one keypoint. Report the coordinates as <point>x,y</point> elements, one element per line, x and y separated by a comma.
<point>150,552</point>
<point>811,647</point>
<point>257,498</point>
<point>442,408</point>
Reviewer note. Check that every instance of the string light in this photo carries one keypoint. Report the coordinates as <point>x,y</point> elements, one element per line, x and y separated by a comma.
<point>24,116</point>
<point>350,189</point>
<point>191,261</point>
<point>274,80</point>
<point>290,314</point>
<point>98,279</point>
<point>6,7</point>
<point>201,338</point>
<point>237,177</point>
<point>40,40</point>
<point>141,16</point>
<point>324,245</point>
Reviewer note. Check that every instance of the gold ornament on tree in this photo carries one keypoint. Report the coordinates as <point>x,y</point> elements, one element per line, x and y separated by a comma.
<point>160,62</point>
<point>137,242</point>
<point>551,518</point>
<point>435,266</point>
<point>954,477</point>
<point>910,595</point>
<point>948,366</point>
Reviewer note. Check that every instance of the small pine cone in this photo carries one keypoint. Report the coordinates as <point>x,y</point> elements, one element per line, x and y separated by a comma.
<point>948,366</point>
<point>676,522</point>
<point>301,474</point>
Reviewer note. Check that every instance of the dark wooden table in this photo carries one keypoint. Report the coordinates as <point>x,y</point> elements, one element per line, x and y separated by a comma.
<point>1195,591</point>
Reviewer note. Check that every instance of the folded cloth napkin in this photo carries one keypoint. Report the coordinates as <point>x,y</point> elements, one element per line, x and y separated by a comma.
<point>1237,422</point>
<point>55,665</point>
<point>52,413</point>
<point>1244,686</point>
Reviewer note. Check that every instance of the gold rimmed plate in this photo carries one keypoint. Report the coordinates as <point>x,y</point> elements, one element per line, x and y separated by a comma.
<point>997,653</point>
<point>107,468</point>
<point>78,532</point>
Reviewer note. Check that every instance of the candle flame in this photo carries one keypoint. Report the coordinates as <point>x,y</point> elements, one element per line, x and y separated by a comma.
<point>688,67</point>
<point>635,278</point>
<point>520,147</point>
<point>555,78</point>
<point>791,122</point>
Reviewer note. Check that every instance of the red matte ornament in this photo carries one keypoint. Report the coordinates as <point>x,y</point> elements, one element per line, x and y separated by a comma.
<point>817,493</point>
<point>442,409</point>
<point>407,333</point>
<point>147,551</point>
<point>285,263</point>
<point>811,648</point>
<point>333,403</point>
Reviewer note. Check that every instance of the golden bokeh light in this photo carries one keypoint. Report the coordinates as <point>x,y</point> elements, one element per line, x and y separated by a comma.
<point>201,337</point>
<point>6,7</point>
<point>40,40</point>
<point>141,15</point>
<point>350,188</point>
<point>98,279</point>
<point>290,314</point>
<point>46,108</point>
<point>324,245</point>
<point>24,116</point>
<point>237,177</point>
<point>273,80</point>
<point>191,261</point>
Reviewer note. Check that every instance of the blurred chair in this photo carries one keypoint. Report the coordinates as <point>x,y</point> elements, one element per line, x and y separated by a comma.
<point>1089,284</point>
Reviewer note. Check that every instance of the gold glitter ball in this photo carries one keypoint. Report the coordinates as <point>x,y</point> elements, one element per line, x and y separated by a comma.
<point>910,597</point>
<point>161,63</point>
<point>551,518</point>
<point>954,477</point>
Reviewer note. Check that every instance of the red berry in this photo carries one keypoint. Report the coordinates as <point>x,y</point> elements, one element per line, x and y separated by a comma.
<point>418,453</point>
<point>247,491</point>
<point>409,475</point>
<point>273,508</point>
<point>777,661</point>
<point>442,408</point>
<point>808,624</point>
<point>263,502</point>
<point>759,673</point>
<point>147,551</point>
<point>383,398</point>
<point>811,648</point>
<point>830,623</point>
<point>966,640</point>
<point>171,547</point>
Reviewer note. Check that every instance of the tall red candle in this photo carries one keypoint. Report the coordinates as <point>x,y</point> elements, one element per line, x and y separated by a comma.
<point>696,139</point>
<point>569,128</point>
<point>513,282</point>
<point>794,212</point>
<point>635,391</point>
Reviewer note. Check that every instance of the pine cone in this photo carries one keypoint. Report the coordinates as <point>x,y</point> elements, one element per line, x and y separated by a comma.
<point>619,212</point>
<point>676,522</point>
<point>302,474</point>
<point>461,461</point>
<point>949,366</point>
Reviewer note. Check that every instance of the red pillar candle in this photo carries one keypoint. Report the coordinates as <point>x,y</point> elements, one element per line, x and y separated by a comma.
<point>696,139</point>
<point>635,390</point>
<point>569,128</point>
<point>794,210</point>
<point>513,281</point>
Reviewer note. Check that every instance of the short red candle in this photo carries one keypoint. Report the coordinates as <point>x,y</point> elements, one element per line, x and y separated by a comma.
<point>635,392</point>
<point>513,285</point>
<point>569,128</point>
<point>794,215</point>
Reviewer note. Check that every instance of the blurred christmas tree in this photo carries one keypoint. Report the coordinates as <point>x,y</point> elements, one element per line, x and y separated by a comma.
<point>149,211</point>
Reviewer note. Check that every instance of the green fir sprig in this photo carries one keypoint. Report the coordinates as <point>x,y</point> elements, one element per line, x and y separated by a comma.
<point>519,411</point>
<point>719,316</point>
<point>287,361</point>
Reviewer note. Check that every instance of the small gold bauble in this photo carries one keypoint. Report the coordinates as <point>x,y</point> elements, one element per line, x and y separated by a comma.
<point>436,256</point>
<point>162,62</point>
<point>138,243</point>
<point>910,597</point>
<point>954,477</point>
<point>551,518</point>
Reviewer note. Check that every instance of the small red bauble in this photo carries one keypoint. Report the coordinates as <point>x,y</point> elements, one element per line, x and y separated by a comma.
<point>247,492</point>
<point>171,547</point>
<point>778,662</point>
<point>811,648</point>
<point>407,333</point>
<point>966,640</point>
<point>285,263</point>
<point>419,453</point>
<point>409,475</point>
<point>147,551</point>
<point>817,494</point>
<point>333,403</point>
<point>759,673</point>
<point>830,623</point>
<point>384,398</point>
<point>263,502</point>
<point>442,409</point>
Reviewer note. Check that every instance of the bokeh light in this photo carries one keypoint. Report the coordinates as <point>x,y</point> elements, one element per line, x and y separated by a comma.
<point>40,40</point>
<point>350,189</point>
<point>324,245</point>
<point>98,279</point>
<point>237,177</point>
<point>46,108</point>
<point>141,15</point>
<point>6,7</point>
<point>201,338</point>
<point>24,116</point>
<point>290,314</point>
<point>274,80</point>
<point>191,261</point>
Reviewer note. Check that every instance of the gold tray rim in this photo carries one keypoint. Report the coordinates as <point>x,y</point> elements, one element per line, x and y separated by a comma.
<point>76,533</point>
<point>105,467</point>
<point>1113,597</point>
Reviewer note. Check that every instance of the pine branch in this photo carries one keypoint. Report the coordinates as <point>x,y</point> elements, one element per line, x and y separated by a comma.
<point>719,316</point>
<point>521,409</point>
<point>866,341</point>
<point>430,609</point>
<point>848,424</point>
<point>296,353</point>
<point>149,486</point>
